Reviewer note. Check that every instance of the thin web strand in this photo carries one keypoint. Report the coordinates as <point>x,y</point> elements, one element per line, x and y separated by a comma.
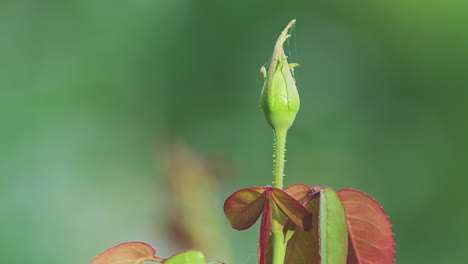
<point>291,46</point>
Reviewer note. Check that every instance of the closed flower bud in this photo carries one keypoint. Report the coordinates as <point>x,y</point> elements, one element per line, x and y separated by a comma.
<point>280,99</point>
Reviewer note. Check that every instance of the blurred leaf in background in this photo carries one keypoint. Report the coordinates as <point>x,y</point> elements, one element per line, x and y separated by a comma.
<point>192,213</point>
<point>89,91</point>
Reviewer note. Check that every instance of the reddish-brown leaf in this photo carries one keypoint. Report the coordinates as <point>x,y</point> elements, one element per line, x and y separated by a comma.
<point>303,247</point>
<point>317,188</point>
<point>127,253</point>
<point>299,191</point>
<point>370,230</point>
<point>244,207</point>
<point>292,208</point>
<point>302,193</point>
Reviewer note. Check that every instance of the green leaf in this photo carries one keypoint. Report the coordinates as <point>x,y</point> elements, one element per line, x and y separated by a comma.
<point>333,228</point>
<point>187,257</point>
<point>370,230</point>
<point>327,241</point>
<point>244,207</point>
<point>127,253</point>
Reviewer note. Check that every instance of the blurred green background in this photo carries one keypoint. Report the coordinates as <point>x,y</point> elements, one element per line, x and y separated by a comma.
<point>92,91</point>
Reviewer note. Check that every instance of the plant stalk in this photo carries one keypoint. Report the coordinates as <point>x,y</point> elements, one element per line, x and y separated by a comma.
<point>280,148</point>
<point>277,235</point>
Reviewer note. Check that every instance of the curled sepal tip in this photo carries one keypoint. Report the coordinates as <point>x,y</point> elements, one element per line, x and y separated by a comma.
<point>280,99</point>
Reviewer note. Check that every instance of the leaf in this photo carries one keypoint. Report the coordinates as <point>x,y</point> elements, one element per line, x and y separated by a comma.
<point>244,207</point>
<point>370,230</point>
<point>326,242</point>
<point>303,246</point>
<point>299,191</point>
<point>302,193</point>
<point>187,257</point>
<point>333,229</point>
<point>292,208</point>
<point>127,253</point>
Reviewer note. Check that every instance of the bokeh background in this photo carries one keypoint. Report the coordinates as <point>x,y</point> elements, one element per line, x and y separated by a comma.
<point>133,120</point>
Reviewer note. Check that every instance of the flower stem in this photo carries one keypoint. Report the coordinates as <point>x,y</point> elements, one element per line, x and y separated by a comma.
<point>277,235</point>
<point>280,148</point>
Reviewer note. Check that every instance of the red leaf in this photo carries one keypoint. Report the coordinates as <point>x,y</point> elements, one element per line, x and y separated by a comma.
<point>127,253</point>
<point>370,230</point>
<point>244,207</point>
<point>299,191</point>
<point>265,229</point>
<point>317,188</point>
<point>292,208</point>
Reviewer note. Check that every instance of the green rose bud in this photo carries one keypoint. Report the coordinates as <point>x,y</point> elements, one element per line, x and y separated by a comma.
<point>280,99</point>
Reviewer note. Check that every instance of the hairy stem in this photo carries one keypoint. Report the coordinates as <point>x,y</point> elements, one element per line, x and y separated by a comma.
<point>280,148</point>
<point>277,235</point>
